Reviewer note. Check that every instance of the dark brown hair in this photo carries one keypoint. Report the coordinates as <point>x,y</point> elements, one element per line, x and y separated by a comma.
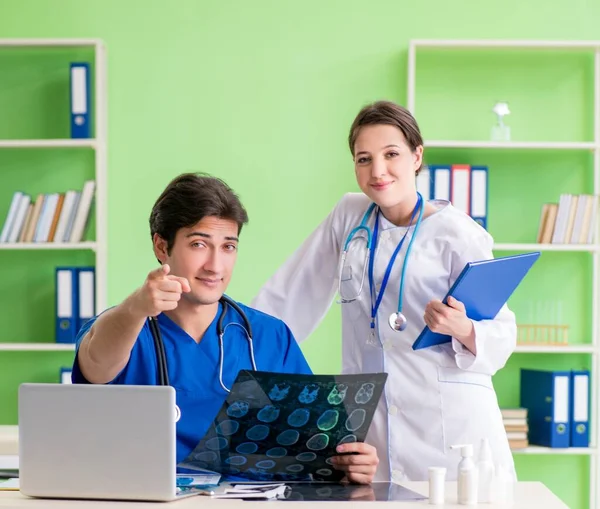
<point>189,198</point>
<point>388,113</point>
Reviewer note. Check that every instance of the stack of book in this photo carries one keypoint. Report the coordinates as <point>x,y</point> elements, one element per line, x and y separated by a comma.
<point>573,220</point>
<point>515,424</point>
<point>55,217</point>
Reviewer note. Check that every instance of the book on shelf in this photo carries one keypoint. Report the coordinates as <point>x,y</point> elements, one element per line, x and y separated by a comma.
<point>573,220</point>
<point>52,217</point>
<point>515,426</point>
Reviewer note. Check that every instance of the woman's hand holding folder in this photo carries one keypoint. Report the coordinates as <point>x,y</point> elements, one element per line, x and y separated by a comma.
<point>451,319</point>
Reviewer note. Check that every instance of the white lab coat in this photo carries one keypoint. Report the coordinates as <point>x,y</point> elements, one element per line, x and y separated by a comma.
<point>434,397</point>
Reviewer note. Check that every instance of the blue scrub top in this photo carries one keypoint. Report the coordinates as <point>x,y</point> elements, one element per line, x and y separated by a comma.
<point>194,367</point>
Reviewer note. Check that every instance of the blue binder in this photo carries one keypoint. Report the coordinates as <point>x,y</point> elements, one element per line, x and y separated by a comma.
<point>80,100</point>
<point>483,287</point>
<point>65,375</point>
<point>546,396</point>
<point>579,411</point>
<point>479,195</point>
<point>86,302</point>
<point>440,174</point>
<point>66,304</point>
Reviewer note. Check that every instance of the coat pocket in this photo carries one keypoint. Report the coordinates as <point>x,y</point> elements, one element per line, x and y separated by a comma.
<point>469,407</point>
<point>460,376</point>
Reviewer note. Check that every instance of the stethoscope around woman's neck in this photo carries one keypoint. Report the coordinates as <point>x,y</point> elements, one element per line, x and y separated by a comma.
<point>397,321</point>
<point>161,358</point>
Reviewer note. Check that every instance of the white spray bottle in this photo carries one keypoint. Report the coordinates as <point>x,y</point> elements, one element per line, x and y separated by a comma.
<point>485,471</point>
<point>466,476</point>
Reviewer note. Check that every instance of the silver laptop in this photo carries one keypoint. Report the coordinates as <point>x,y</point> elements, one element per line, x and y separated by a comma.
<point>112,442</point>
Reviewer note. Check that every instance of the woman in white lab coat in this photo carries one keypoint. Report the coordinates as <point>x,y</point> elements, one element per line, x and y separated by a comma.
<point>435,397</point>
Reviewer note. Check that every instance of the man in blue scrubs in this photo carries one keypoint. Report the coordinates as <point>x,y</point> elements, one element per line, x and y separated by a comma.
<point>195,226</point>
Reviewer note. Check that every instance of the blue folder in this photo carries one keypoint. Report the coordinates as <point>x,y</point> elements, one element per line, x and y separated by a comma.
<point>483,287</point>
<point>545,395</point>
<point>579,408</point>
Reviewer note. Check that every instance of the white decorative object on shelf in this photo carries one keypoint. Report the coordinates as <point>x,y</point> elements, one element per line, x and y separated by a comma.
<point>500,131</point>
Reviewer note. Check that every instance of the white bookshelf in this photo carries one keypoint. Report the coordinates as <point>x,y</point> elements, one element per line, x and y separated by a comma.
<point>547,247</point>
<point>573,349</point>
<point>66,143</point>
<point>49,245</point>
<point>512,145</point>
<point>593,146</point>
<point>503,44</point>
<point>579,451</point>
<point>52,43</point>
<point>36,347</point>
<point>98,145</point>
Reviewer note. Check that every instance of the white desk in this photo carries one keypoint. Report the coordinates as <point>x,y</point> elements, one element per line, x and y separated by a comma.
<point>528,495</point>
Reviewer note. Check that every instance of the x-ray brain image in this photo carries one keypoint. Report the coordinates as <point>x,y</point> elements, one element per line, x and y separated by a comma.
<point>281,427</point>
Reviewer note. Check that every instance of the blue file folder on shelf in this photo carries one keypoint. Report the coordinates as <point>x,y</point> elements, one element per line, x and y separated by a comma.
<point>441,182</point>
<point>75,302</point>
<point>85,296</point>
<point>479,195</point>
<point>483,287</point>
<point>65,375</point>
<point>579,408</point>
<point>66,304</point>
<point>80,100</point>
<point>546,396</point>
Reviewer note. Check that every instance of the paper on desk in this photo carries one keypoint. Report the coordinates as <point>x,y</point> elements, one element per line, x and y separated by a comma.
<point>246,491</point>
<point>10,485</point>
<point>198,479</point>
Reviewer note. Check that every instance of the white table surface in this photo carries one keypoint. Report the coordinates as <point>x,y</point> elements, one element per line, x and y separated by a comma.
<point>528,495</point>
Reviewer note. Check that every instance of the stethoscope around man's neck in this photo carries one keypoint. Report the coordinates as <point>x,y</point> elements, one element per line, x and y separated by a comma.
<point>397,321</point>
<point>161,358</point>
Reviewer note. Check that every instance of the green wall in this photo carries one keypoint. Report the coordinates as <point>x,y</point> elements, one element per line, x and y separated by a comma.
<point>262,94</point>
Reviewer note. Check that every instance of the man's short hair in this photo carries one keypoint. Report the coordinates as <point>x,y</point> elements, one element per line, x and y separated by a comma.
<point>188,199</point>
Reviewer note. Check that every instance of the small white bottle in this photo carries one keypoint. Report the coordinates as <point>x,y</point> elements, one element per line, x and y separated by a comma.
<point>485,472</point>
<point>466,476</point>
<point>437,480</point>
<point>503,486</point>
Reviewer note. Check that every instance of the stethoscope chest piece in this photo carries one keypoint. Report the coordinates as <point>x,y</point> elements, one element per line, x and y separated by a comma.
<point>397,321</point>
